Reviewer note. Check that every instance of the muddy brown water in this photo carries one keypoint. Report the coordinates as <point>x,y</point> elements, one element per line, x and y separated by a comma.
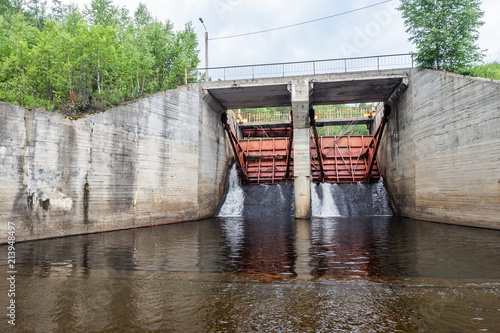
<point>355,274</point>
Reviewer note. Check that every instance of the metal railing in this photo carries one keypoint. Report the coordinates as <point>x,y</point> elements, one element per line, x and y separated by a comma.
<point>244,116</point>
<point>352,112</point>
<point>341,65</point>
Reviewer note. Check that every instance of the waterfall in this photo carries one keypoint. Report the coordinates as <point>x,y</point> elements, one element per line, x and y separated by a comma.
<point>381,206</point>
<point>233,204</point>
<point>322,201</point>
<point>327,200</point>
<point>268,201</point>
<point>357,199</point>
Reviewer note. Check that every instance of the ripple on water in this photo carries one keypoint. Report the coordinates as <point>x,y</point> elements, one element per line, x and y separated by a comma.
<point>366,274</point>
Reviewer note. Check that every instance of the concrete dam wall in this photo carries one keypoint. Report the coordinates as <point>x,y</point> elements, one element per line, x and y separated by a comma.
<point>440,154</point>
<point>156,160</point>
<point>164,158</point>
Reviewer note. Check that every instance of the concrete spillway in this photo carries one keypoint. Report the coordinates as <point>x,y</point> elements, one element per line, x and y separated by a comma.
<point>302,93</point>
<point>163,158</point>
<point>327,200</point>
<point>439,153</point>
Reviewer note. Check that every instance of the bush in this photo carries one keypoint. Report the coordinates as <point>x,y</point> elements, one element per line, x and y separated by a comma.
<point>487,71</point>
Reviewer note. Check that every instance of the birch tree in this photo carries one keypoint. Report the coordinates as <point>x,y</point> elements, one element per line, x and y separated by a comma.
<point>444,32</point>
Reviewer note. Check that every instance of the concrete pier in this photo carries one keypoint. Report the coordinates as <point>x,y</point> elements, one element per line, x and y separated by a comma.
<point>300,90</point>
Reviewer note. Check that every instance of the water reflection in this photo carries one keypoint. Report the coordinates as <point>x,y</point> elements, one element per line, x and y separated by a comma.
<point>268,248</point>
<point>346,249</point>
<point>379,274</point>
<point>362,246</point>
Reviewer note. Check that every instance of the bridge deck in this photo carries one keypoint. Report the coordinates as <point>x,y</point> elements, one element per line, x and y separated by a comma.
<point>327,89</point>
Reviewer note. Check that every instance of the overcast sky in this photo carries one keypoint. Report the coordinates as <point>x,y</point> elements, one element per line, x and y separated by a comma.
<point>376,30</point>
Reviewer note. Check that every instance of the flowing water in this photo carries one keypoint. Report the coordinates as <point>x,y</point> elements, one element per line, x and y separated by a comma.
<point>260,270</point>
<point>233,203</point>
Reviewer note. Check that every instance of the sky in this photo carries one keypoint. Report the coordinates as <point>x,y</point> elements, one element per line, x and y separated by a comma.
<point>378,30</point>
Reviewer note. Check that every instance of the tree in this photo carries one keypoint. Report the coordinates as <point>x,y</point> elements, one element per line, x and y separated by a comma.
<point>102,12</point>
<point>57,10</point>
<point>36,12</point>
<point>80,61</point>
<point>6,7</point>
<point>444,32</point>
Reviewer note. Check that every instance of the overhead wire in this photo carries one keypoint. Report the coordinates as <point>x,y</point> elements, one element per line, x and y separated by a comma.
<point>301,23</point>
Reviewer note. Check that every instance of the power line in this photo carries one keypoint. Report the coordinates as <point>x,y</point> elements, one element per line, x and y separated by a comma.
<point>301,23</point>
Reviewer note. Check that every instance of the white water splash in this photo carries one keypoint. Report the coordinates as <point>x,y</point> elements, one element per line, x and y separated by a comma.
<point>327,200</point>
<point>280,191</point>
<point>233,205</point>
<point>357,199</point>
<point>322,201</point>
<point>380,200</point>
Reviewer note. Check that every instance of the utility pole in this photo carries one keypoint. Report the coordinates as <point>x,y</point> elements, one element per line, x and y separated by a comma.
<point>206,49</point>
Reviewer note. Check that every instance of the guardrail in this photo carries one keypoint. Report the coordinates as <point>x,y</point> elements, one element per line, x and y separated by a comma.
<point>261,116</point>
<point>340,65</point>
<point>334,113</point>
<point>244,116</point>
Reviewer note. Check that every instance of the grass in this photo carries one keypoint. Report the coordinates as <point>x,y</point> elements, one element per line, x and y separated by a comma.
<point>487,71</point>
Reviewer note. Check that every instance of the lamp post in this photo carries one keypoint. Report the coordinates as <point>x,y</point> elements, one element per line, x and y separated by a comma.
<point>206,49</point>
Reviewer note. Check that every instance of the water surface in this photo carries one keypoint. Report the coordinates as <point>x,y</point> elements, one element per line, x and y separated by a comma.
<point>352,274</point>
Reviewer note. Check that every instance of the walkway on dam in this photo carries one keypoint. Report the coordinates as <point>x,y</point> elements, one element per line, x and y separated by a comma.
<point>302,93</point>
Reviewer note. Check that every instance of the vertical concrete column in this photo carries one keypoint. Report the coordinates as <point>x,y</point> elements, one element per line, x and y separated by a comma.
<point>300,90</point>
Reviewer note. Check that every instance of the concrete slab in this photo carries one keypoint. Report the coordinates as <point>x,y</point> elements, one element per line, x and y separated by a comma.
<point>255,96</point>
<point>354,91</point>
<point>337,88</point>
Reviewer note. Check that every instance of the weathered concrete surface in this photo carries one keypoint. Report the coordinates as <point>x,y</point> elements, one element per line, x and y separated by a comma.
<point>301,150</point>
<point>156,160</point>
<point>440,154</point>
<point>335,88</point>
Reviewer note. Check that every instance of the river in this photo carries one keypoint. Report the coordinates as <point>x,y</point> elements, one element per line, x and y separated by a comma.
<point>357,274</point>
<point>263,273</point>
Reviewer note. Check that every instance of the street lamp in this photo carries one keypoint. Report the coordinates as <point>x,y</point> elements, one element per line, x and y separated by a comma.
<point>206,49</point>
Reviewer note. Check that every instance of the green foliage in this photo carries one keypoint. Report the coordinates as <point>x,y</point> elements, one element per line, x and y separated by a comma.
<point>79,61</point>
<point>487,71</point>
<point>444,32</point>
<point>102,12</point>
<point>6,7</point>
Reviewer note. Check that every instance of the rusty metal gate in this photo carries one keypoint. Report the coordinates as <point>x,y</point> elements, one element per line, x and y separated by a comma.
<point>334,159</point>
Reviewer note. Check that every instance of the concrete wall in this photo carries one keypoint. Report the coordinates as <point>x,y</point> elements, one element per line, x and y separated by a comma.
<point>155,160</point>
<point>440,154</point>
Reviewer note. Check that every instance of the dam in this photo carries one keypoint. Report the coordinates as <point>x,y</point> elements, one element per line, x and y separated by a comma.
<point>291,232</point>
<point>164,158</point>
